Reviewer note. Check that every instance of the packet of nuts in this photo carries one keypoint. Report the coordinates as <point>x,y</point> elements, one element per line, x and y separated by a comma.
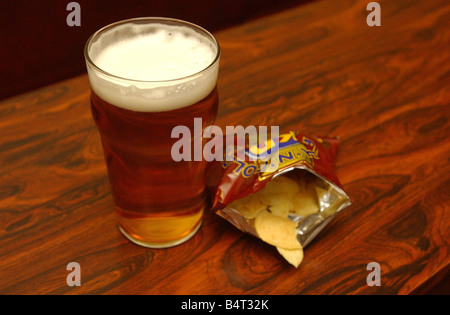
<point>285,198</point>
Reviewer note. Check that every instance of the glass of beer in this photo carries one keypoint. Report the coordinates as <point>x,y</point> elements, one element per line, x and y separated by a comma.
<point>148,76</point>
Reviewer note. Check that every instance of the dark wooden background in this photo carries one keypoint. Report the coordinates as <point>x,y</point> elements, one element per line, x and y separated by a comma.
<point>316,67</point>
<point>38,47</point>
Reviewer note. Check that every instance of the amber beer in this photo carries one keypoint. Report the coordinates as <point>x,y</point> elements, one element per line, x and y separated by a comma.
<point>147,76</point>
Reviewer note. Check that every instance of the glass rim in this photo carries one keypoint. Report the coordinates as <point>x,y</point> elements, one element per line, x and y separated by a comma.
<point>91,63</point>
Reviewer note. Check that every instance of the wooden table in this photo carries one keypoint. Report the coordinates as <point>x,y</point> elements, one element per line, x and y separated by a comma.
<point>318,68</point>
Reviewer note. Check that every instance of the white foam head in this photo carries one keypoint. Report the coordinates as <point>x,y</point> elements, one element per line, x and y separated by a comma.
<point>152,64</point>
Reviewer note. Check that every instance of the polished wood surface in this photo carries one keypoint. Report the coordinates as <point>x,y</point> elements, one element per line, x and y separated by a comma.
<point>318,68</point>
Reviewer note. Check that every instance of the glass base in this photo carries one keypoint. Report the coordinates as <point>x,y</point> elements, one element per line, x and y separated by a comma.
<point>160,245</point>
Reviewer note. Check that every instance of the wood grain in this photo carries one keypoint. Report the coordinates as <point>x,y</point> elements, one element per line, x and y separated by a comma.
<point>317,68</point>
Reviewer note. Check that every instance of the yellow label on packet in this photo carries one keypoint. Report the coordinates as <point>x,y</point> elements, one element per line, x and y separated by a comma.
<point>290,151</point>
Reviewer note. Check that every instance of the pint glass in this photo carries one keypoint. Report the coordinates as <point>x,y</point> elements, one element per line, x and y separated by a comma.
<point>148,76</point>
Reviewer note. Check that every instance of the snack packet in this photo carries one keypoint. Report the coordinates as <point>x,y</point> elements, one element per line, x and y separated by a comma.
<point>285,197</point>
